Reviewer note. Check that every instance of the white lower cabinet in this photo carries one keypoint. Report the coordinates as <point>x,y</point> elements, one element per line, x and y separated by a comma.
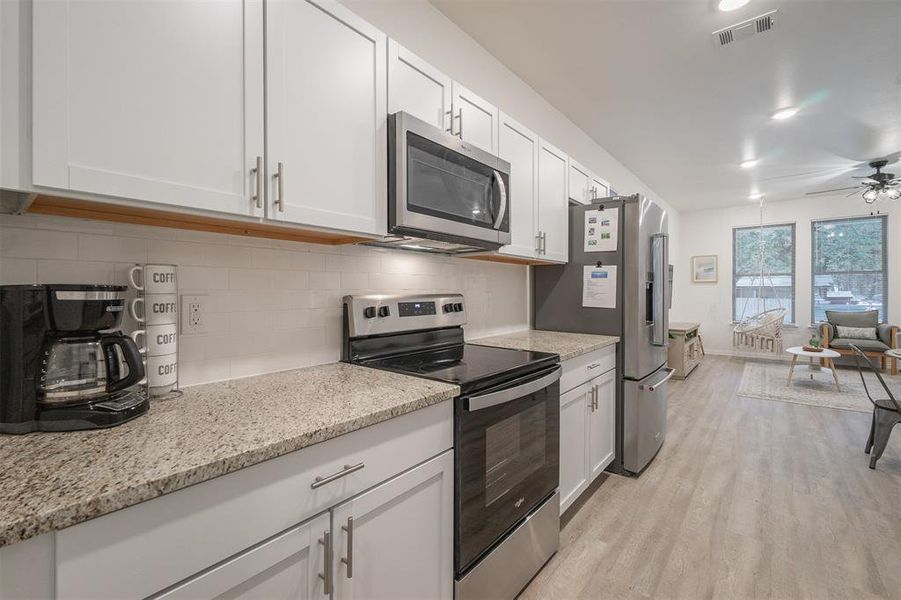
<point>587,422</point>
<point>397,539</point>
<point>287,567</point>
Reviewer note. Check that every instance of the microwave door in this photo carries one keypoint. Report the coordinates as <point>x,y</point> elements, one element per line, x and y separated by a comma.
<point>444,188</point>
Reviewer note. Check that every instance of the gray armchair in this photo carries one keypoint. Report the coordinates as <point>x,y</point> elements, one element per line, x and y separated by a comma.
<point>886,335</point>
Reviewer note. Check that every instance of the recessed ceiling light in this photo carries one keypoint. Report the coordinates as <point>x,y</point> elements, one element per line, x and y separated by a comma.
<point>727,5</point>
<point>785,113</point>
<point>757,196</point>
<point>749,163</point>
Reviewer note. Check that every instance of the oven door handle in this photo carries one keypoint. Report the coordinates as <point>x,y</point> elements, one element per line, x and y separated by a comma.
<point>482,401</point>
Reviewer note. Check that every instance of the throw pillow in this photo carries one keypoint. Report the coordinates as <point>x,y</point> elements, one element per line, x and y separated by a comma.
<point>856,333</point>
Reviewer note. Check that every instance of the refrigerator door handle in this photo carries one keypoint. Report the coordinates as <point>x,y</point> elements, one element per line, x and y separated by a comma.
<point>659,267</point>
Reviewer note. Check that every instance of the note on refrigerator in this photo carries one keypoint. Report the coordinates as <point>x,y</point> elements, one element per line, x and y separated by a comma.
<point>599,287</point>
<point>600,230</point>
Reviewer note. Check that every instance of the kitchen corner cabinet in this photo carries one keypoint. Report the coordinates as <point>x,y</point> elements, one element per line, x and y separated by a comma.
<point>418,88</point>
<point>326,124</point>
<point>578,182</point>
<point>587,421</point>
<point>519,146</point>
<point>128,103</point>
<point>553,205</point>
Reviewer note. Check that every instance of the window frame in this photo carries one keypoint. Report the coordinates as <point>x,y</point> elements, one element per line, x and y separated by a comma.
<point>790,317</point>
<point>813,254</point>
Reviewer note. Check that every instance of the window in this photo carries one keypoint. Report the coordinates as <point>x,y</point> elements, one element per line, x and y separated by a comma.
<point>752,295</point>
<point>849,266</point>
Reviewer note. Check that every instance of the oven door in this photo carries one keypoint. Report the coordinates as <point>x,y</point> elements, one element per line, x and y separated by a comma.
<point>444,188</point>
<point>507,459</point>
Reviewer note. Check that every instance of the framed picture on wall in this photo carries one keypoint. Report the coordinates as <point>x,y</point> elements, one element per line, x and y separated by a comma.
<point>704,269</point>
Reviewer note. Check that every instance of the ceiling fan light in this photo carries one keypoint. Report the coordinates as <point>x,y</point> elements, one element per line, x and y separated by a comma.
<point>749,163</point>
<point>785,113</point>
<point>870,196</point>
<point>894,193</point>
<point>728,5</point>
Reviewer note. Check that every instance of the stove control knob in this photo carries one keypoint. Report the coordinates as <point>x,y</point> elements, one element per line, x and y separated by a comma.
<point>458,307</point>
<point>384,311</point>
<point>369,312</point>
<point>448,308</point>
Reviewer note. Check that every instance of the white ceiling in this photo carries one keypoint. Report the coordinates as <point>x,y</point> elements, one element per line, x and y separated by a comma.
<point>646,80</point>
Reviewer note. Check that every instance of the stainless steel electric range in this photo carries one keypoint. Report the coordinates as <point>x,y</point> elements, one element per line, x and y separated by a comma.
<point>506,432</point>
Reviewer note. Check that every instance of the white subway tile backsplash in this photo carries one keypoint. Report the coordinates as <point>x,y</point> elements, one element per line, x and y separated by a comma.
<point>18,271</point>
<point>270,304</point>
<point>36,243</point>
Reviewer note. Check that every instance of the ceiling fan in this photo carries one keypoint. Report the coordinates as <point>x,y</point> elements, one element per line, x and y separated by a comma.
<point>876,186</point>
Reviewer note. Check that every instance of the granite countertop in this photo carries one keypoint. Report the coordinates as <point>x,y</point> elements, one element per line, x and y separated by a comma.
<point>54,480</point>
<point>567,345</point>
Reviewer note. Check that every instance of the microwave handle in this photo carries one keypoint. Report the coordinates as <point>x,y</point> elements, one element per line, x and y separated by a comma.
<point>503,188</point>
<point>490,399</point>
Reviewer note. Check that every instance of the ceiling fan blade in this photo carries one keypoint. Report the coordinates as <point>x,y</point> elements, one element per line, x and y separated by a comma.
<point>852,193</point>
<point>867,178</point>
<point>844,189</point>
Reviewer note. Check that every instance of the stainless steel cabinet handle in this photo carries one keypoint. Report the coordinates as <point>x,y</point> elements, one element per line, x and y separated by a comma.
<point>538,243</point>
<point>544,242</point>
<point>595,400</point>
<point>593,366</point>
<point>460,127</point>
<point>258,190</point>
<point>450,116</point>
<point>326,575</point>
<point>280,194</point>
<point>347,470</point>
<point>349,559</point>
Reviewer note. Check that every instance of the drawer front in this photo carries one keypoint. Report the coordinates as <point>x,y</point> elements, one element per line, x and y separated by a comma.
<point>580,369</point>
<point>139,550</point>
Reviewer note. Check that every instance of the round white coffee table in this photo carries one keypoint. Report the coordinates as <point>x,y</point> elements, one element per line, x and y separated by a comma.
<point>825,354</point>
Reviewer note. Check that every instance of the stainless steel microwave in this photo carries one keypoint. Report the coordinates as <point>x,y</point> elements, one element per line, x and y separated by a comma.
<point>444,194</point>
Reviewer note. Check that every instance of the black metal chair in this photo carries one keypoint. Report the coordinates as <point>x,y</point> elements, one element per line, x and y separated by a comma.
<point>886,411</point>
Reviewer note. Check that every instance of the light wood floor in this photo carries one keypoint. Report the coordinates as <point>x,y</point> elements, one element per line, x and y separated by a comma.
<point>747,499</point>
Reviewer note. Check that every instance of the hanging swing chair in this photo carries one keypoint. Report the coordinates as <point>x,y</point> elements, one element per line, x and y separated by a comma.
<point>761,332</point>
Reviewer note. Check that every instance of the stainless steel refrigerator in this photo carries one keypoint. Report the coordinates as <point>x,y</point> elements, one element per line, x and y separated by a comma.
<point>638,313</point>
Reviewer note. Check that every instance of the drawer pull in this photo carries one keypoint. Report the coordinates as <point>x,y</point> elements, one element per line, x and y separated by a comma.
<point>593,366</point>
<point>347,470</point>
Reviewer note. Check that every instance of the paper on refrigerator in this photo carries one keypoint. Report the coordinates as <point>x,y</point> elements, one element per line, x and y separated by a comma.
<point>600,230</point>
<point>599,287</point>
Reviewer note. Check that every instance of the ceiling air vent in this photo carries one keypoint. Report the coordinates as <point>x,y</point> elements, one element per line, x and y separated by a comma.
<point>745,29</point>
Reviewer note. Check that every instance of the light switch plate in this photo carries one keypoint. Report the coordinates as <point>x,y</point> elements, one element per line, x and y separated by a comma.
<point>193,314</point>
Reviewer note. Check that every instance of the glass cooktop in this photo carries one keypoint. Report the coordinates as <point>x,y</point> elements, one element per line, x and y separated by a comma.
<point>466,365</point>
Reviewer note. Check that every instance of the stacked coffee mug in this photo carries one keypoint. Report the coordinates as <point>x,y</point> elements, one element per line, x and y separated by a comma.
<point>156,310</point>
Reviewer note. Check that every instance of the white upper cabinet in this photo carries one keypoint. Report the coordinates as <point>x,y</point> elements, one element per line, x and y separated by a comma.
<point>149,100</point>
<point>474,120</point>
<point>397,540</point>
<point>553,206</point>
<point>326,117</point>
<point>579,183</point>
<point>519,146</point>
<point>598,188</point>
<point>418,88</point>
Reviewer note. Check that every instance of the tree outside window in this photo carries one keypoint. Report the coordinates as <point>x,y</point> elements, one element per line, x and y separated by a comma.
<point>752,295</point>
<point>849,266</point>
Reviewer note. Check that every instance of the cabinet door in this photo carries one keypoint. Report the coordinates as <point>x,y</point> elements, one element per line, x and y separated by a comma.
<point>397,540</point>
<point>574,409</point>
<point>553,206</point>
<point>579,183</point>
<point>149,100</point>
<point>475,120</point>
<point>601,421</point>
<point>287,567</point>
<point>418,88</point>
<point>327,117</point>
<point>519,146</point>
<point>598,189</point>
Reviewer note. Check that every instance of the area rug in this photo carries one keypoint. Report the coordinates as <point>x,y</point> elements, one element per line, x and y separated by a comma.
<point>769,381</point>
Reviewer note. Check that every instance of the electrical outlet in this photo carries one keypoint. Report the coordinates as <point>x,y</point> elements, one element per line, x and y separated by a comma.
<point>193,314</point>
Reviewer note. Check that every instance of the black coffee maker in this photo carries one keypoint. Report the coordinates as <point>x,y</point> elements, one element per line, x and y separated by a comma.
<point>61,369</point>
